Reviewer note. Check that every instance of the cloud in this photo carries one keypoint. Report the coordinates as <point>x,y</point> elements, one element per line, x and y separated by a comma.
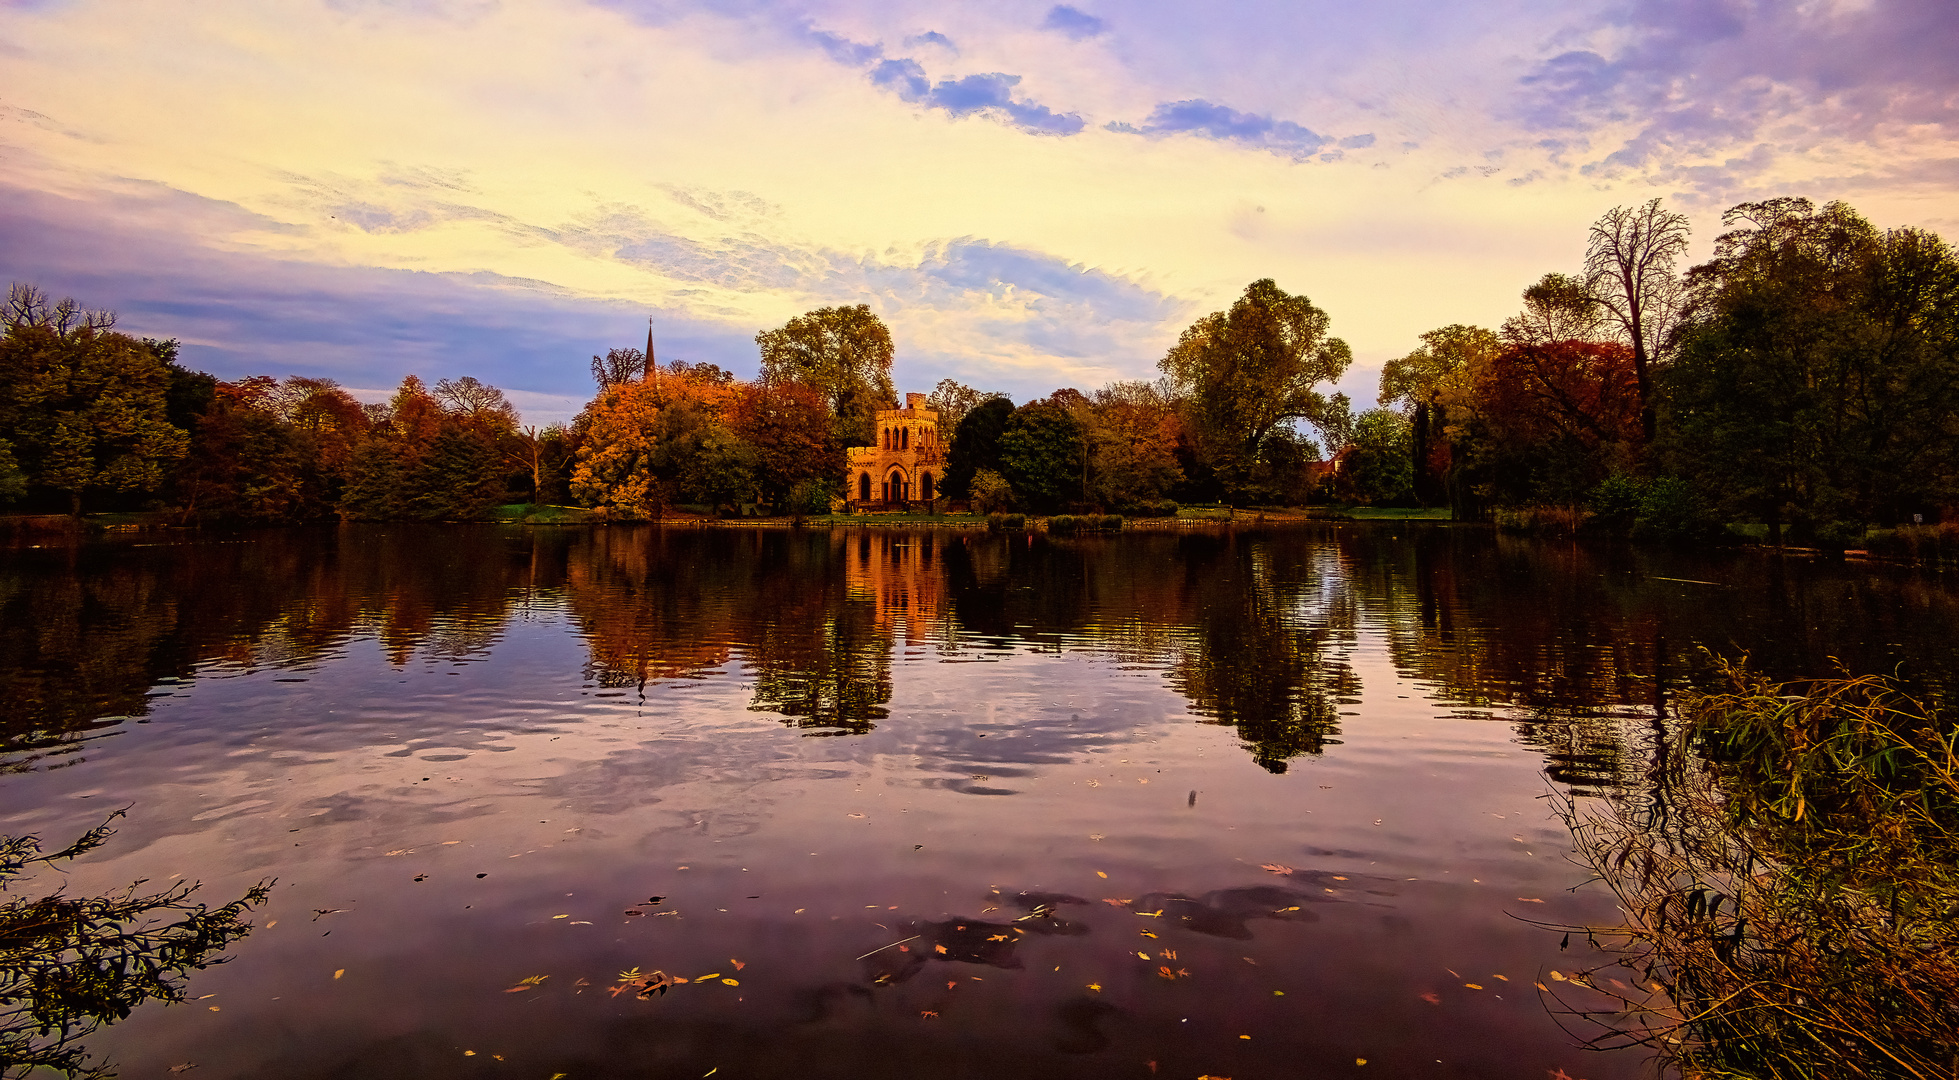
<point>930,37</point>
<point>1680,79</point>
<point>1075,23</point>
<point>989,94</point>
<point>1219,122</point>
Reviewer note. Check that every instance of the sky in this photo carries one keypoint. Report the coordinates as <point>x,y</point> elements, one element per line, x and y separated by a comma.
<point>1030,195</point>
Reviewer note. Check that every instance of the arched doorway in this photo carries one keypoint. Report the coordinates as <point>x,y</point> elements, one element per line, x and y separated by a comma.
<point>863,487</point>
<point>895,487</point>
<point>925,487</point>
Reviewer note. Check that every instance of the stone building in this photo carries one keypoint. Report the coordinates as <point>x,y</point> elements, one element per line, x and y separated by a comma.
<point>906,464</point>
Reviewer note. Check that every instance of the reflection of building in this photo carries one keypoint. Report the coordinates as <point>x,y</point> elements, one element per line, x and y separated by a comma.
<point>901,575</point>
<point>905,466</point>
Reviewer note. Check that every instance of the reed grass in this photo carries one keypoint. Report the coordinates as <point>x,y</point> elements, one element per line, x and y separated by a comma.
<point>1790,889</point>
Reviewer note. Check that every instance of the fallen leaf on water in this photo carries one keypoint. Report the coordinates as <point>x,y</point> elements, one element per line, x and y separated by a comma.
<point>1147,933</point>
<point>940,949</point>
<point>1093,783</point>
<point>561,916</point>
<point>185,1067</point>
<point>214,1008</point>
<point>272,924</point>
<point>1337,877</point>
<point>856,815</point>
<point>446,843</point>
<point>1360,1061</point>
<point>1100,874</point>
<point>1542,987</point>
<point>1504,978</point>
<point>1142,956</point>
<point>731,982</point>
<point>1529,900</point>
<point>1431,997</point>
<point>1096,987</point>
<point>1113,902</point>
<point>1095,836</point>
<point>1168,954</point>
<point>339,972</point>
<point>401,851</point>
<point>704,978</point>
<point>469,1053</point>
<point>738,964</point>
<point>928,1014</point>
<point>952,984</point>
<point>1472,986</point>
<point>1277,868</point>
<point>1249,960</point>
<point>1557,976</point>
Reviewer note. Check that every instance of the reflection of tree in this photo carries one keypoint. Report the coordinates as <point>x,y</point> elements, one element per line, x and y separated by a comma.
<point>87,631</point>
<point>69,965</point>
<point>654,604</point>
<point>822,649</point>
<point>1259,658</point>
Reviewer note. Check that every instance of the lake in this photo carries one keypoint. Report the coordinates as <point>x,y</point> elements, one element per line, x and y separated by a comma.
<point>1246,804</point>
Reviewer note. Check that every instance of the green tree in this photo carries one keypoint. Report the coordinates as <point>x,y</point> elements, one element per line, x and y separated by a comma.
<point>1820,378</point>
<point>1379,465</point>
<point>952,400</point>
<point>84,406</point>
<point>1429,383</point>
<point>1133,430</point>
<point>976,445</point>
<point>1041,455</point>
<point>844,352</point>
<point>1251,370</point>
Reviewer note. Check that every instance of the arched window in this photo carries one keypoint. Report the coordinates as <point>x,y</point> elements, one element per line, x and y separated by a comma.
<point>905,439</point>
<point>897,486</point>
<point>887,438</point>
<point>863,487</point>
<point>925,487</point>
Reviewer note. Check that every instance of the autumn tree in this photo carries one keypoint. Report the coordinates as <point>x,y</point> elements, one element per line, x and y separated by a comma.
<point>845,353</point>
<point>1133,429</point>
<point>647,445</point>
<point>427,461</point>
<point>1630,277</point>
<point>1250,371</point>
<point>787,424</point>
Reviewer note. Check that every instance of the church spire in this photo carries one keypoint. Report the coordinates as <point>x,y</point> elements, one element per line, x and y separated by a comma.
<point>650,364</point>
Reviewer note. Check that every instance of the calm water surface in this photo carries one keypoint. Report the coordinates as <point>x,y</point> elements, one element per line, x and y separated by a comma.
<point>931,804</point>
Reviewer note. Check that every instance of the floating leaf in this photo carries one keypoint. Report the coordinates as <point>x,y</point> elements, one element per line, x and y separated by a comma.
<point>1096,987</point>
<point>1113,902</point>
<point>339,972</point>
<point>1277,868</point>
<point>1431,997</point>
<point>1472,986</point>
<point>1529,900</point>
<point>1100,874</point>
<point>730,982</point>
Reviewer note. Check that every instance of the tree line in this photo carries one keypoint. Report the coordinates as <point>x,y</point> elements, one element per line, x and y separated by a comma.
<point>1806,377</point>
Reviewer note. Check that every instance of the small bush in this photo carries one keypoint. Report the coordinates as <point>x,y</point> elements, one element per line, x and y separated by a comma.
<point>1916,543</point>
<point>1005,522</point>
<point>1112,522</point>
<point>1064,524</point>
<point>991,493</point>
<point>1162,509</point>
<point>1671,511</point>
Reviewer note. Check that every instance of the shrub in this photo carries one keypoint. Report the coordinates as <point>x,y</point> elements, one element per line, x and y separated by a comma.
<point>1112,522</point>
<point>991,493</point>
<point>1064,524</point>
<point>1164,508</point>
<point>1005,522</point>
<point>1671,511</point>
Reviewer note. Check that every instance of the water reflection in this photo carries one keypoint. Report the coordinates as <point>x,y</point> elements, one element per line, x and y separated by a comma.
<point>1256,630</point>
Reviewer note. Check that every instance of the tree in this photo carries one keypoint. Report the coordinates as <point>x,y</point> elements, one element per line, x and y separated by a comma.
<point>1557,308</point>
<point>1429,382</point>
<point>1041,453</point>
<point>1629,275</point>
<point>84,407</point>
<point>1379,466</point>
<point>644,446</point>
<point>1133,430</point>
<point>787,424</point>
<point>1249,370</point>
<point>1819,379</point>
<point>844,352</point>
<point>1556,419</point>
<point>421,461</point>
<point>618,367</point>
<point>71,964</point>
<point>976,445</point>
<point>952,400</point>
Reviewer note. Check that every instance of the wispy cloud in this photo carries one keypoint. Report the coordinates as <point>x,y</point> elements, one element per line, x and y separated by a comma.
<point>1073,22</point>
<point>1210,120</point>
<point>988,94</point>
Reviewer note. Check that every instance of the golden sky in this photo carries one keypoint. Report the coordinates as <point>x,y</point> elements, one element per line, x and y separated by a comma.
<point>1030,195</point>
